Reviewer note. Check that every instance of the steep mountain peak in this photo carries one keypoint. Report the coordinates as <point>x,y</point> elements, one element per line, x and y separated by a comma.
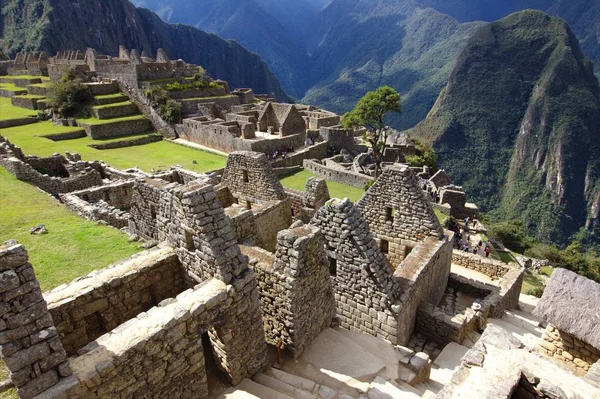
<point>518,124</point>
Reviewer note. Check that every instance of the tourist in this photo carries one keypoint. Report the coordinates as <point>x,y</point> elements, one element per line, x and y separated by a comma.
<point>474,223</point>
<point>487,251</point>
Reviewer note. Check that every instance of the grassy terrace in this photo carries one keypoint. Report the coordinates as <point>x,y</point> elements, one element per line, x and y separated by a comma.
<point>42,78</point>
<point>7,111</point>
<point>115,95</point>
<point>159,155</point>
<point>73,246</point>
<point>112,105</point>
<point>11,87</point>
<point>337,190</point>
<point>94,121</point>
<point>208,98</point>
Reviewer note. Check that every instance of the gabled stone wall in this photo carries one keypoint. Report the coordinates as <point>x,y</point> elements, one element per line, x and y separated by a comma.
<point>250,177</point>
<point>398,213</point>
<point>366,292</point>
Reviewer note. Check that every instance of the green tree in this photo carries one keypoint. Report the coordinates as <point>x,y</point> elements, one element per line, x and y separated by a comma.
<point>170,111</point>
<point>370,112</point>
<point>69,96</point>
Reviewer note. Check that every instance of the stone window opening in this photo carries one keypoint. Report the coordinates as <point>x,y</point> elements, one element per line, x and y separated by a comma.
<point>389,214</point>
<point>152,212</point>
<point>384,245</point>
<point>332,266</point>
<point>245,176</point>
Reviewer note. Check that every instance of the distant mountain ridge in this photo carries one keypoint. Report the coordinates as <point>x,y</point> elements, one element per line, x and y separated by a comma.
<point>518,125</point>
<point>54,25</point>
<point>331,52</point>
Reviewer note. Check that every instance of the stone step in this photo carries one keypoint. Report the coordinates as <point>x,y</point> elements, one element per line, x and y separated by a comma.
<point>280,386</point>
<point>8,93</point>
<point>377,347</point>
<point>39,90</point>
<point>27,101</point>
<point>382,389</point>
<point>528,338</point>
<point>249,389</point>
<point>116,128</point>
<point>98,89</point>
<point>115,110</point>
<point>343,359</point>
<point>293,380</point>
<point>110,99</point>
<point>521,319</point>
<point>323,381</point>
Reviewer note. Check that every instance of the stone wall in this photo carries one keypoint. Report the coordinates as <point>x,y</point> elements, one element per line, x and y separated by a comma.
<point>297,158</point>
<point>242,221</point>
<point>435,324</point>
<point>422,278</point>
<point>565,347</point>
<point>117,194</point>
<point>338,175</point>
<point>157,354</point>
<point>53,185</point>
<point>91,306</point>
<point>398,213</point>
<point>250,177</point>
<point>151,138</point>
<point>145,205</point>
<point>29,343</point>
<point>367,294</point>
<point>296,200</point>
<point>492,268</point>
<point>270,218</point>
<point>98,211</point>
<point>297,299</point>
<point>116,129</point>
<point>116,111</point>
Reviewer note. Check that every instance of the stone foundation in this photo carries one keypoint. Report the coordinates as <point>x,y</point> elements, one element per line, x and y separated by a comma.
<point>96,304</point>
<point>489,267</point>
<point>567,348</point>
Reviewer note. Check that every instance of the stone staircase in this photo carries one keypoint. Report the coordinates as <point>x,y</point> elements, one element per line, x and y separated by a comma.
<point>339,364</point>
<point>113,114</point>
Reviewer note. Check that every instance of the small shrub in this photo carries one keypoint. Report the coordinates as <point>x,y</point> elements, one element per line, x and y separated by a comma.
<point>69,96</point>
<point>369,184</point>
<point>170,111</point>
<point>428,158</point>
<point>157,95</point>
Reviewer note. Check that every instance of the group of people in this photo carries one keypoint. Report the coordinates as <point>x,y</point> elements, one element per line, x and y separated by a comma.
<point>283,153</point>
<point>465,244</point>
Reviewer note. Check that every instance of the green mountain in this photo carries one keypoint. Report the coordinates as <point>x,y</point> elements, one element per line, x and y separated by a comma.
<point>328,53</point>
<point>53,25</point>
<point>518,125</point>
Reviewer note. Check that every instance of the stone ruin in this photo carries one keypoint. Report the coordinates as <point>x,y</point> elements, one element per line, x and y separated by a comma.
<point>243,265</point>
<point>449,198</point>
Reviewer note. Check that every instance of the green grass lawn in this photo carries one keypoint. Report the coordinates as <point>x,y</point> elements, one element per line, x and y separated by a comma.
<point>11,87</point>
<point>127,102</point>
<point>73,246</point>
<point>159,155</point>
<point>43,78</point>
<point>114,95</point>
<point>530,281</point>
<point>336,190</point>
<point>7,111</point>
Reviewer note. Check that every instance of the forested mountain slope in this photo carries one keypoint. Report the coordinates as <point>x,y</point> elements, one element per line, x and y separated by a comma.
<point>519,125</point>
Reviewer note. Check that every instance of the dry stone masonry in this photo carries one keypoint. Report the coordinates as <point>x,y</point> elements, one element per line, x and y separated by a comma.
<point>29,342</point>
